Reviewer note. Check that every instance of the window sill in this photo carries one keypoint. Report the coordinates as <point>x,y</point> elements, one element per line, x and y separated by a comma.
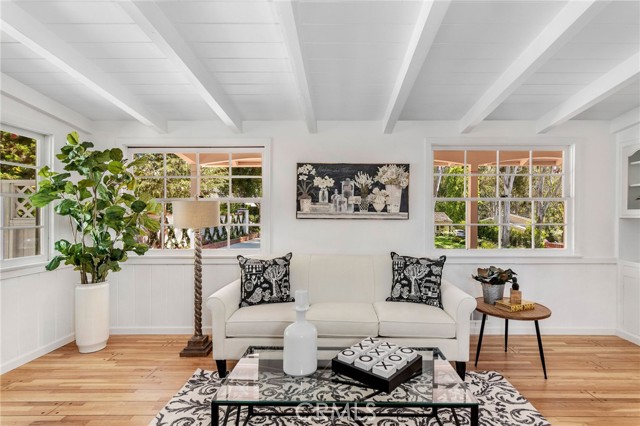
<point>9,272</point>
<point>523,258</point>
<point>186,257</point>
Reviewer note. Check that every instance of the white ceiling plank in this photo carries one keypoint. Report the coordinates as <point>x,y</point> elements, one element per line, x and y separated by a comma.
<point>22,27</point>
<point>426,27</point>
<point>566,24</point>
<point>626,120</point>
<point>163,33</point>
<point>619,77</point>
<point>24,94</point>
<point>286,17</point>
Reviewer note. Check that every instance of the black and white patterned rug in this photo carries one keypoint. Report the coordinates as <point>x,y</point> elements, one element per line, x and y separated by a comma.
<point>500,404</point>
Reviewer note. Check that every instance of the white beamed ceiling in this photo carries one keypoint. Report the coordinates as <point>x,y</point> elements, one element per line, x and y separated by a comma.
<point>352,54</point>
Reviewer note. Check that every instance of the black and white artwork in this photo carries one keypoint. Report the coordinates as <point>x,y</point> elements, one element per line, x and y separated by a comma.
<point>416,279</point>
<point>352,191</point>
<point>264,281</point>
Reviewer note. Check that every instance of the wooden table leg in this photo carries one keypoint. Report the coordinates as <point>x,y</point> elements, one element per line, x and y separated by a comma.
<point>506,333</point>
<point>484,318</point>
<point>544,367</point>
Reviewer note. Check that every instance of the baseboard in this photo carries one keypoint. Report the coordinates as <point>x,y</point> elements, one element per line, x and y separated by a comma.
<point>527,327</point>
<point>23,359</point>
<point>157,330</point>
<point>628,336</point>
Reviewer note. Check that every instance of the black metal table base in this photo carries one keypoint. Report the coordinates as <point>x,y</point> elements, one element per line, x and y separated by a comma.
<point>506,340</point>
<point>331,414</point>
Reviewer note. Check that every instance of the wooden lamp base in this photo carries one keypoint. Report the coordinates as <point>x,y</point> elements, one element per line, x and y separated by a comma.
<point>197,346</point>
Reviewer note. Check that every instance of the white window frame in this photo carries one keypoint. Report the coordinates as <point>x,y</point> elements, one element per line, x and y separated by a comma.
<point>522,144</point>
<point>43,158</point>
<point>263,147</point>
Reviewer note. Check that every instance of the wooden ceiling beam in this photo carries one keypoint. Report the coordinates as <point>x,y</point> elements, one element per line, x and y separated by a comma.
<point>626,120</point>
<point>156,25</point>
<point>19,25</point>
<point>622,75</point>
<point>429,20</point>
<point>33,99</point>
<point>564,26</point>
<point>284,10</point>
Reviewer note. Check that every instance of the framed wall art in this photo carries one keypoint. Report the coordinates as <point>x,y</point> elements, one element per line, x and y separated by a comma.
<point>352,191</point>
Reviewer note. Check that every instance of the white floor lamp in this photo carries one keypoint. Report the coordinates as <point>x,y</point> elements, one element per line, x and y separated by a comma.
<point>196,215</point>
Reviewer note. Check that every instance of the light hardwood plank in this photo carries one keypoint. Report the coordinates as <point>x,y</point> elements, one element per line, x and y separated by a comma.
<point>593,380</point>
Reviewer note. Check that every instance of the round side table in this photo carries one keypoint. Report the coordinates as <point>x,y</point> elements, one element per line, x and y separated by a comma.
<point>540,312</point>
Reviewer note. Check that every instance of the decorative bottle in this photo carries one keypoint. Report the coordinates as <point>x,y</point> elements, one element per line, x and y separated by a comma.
<point>300,341</point>
<point>334,201</point>
<point>323,195</point>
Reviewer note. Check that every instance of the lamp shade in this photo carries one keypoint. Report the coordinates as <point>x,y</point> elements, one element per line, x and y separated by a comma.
<point>196,214</point>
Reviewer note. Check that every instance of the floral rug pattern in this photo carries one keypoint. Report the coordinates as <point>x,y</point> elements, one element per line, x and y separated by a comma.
<point>500,405</point>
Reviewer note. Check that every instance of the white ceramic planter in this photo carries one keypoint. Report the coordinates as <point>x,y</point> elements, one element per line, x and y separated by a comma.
<point>92,316</point>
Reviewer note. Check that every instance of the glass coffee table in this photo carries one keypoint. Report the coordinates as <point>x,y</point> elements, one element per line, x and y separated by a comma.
<point>257,386</point>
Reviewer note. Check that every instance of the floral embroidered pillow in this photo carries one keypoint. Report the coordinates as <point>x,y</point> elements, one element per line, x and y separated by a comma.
<point>416,279</point>
<point>264,281</point>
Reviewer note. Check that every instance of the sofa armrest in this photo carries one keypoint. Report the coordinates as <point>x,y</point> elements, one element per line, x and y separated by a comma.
<point>222,304</point>
<point>459,305</point>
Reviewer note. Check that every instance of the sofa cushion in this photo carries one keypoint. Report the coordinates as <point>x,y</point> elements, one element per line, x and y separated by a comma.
<point>341,278</point>
<point>399,319</point>
<point>416,279</point>
<point>343,319</point>
<point>264,281</point>
<point>268,320</point>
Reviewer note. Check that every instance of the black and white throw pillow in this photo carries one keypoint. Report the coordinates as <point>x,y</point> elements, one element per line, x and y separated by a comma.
<point>264,281</point>
<point>416,279</point>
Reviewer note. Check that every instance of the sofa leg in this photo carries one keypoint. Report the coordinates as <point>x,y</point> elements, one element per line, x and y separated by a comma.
<point>221,364</point>
<point>461,368</point>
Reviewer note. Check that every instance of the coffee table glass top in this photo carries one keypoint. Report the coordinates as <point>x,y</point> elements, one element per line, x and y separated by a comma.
<point>258,379</point>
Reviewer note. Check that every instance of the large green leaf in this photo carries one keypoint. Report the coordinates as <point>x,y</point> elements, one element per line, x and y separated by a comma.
<point>63,246</point>
<point>138,206</point>
<point>115,154</point>
<point>115,213</point>
<point>66,207</point>
<point>54,263</point>
<point>73,138</point>
<point>150,224</point>
<point>43,198</point>
<point>115,167</point>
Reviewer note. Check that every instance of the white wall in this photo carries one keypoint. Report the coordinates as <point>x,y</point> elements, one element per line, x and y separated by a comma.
<point>579,289</point>
<point>155,295</point>
<point>36,306</point>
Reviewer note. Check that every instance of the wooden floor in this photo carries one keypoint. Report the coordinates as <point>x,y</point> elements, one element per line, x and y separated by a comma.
<point>593,380</point>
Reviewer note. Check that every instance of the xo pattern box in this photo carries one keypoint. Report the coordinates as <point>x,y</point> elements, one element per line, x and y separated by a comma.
<point>377,364</point>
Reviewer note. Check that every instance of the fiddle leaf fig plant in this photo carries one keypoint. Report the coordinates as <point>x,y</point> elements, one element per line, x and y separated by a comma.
<point>97,193</point>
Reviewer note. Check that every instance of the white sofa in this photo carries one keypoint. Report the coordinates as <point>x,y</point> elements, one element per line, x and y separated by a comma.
<point>347,302</point>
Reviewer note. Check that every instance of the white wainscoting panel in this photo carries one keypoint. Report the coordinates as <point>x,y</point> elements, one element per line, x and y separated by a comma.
<point>37,315</point>
<point>629,301</point>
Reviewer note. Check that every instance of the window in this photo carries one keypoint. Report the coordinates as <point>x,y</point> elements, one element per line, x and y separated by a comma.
<point>233,176</point>
<point>23,226</point>
<point>501,198</point>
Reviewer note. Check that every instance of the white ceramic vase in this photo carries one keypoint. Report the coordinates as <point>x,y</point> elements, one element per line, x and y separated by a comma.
<point>378,205</point>
<point>394,199</point>
<point>92,316</point>
<point>300,356</point>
